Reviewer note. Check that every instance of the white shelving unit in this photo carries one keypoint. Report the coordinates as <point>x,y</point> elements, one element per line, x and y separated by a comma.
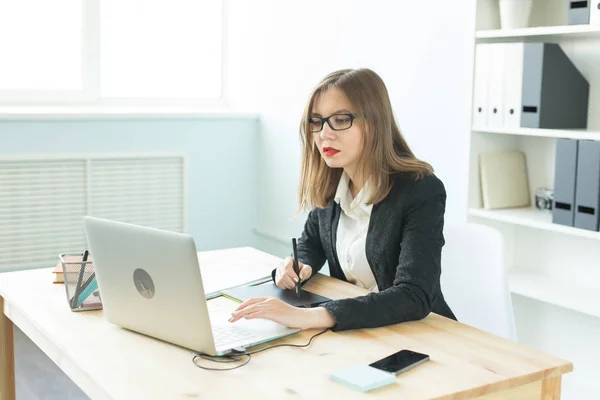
<point>577,297</point>
<point>582,45</point>
<point>552,264</point>
<point>545,33</point>
<point>547,133</point>
<point>531,218</point>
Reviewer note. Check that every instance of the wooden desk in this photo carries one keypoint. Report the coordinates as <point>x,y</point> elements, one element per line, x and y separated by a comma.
<point>109,362</point>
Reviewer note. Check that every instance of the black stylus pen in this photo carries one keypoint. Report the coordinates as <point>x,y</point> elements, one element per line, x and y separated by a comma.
<point>78,288</point>
<point>296,267</point>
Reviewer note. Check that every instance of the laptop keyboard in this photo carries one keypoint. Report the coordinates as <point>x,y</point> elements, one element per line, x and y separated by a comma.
<point>228,335</point>
<point>242,333</point>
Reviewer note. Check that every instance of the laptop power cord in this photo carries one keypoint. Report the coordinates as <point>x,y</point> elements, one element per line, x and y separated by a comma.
<point>239,352</point>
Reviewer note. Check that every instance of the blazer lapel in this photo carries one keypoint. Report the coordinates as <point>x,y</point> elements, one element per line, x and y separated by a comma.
<point>335,220</point>
<point>373,241</point>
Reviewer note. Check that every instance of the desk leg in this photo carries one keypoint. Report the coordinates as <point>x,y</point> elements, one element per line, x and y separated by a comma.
<point>551,388</point>
<point>7,356</point>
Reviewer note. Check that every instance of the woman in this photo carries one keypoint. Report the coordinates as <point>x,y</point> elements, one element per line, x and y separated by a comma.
<point>377,219</point>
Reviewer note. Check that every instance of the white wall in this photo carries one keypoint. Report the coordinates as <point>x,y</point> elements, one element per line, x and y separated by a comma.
<point>423,50</point>
<point>219,215</point>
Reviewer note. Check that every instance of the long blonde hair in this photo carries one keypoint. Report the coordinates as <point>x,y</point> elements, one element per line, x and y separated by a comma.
<point>385,151</point>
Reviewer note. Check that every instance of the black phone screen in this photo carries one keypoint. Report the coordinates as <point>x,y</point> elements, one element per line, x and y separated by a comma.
<point>400,361</point>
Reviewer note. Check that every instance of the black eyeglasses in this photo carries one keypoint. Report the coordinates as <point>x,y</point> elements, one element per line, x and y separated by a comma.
<point>337,122</point>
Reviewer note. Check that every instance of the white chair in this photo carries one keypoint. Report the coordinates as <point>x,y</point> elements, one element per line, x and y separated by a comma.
<point>474,278</point>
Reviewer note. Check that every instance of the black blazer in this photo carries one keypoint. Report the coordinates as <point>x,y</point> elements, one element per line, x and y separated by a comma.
<point>403,247</point>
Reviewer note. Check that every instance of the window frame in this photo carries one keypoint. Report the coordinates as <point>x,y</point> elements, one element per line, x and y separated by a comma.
<point>89,95</point>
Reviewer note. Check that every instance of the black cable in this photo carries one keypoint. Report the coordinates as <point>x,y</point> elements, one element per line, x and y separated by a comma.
<point>229,358</point>
<point>284,344</point>
<point>224,359</point>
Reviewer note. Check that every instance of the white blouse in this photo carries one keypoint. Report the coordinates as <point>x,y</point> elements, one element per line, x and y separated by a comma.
<point>352,235</point>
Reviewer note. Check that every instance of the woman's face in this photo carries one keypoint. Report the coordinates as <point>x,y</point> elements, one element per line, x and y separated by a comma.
<point>339,148</point>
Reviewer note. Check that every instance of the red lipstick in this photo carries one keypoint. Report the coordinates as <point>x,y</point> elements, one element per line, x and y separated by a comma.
<point>330,151</point>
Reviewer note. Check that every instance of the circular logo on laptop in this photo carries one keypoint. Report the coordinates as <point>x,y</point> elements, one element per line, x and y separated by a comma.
<point>143,283</point>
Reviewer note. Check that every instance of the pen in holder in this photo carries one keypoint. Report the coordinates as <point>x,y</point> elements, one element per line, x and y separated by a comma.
<point>81,285</point>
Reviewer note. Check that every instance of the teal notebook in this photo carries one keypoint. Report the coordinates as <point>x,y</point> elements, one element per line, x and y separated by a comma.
<point>363,378</point>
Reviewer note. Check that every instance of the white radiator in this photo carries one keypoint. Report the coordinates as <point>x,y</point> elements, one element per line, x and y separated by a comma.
<point>43,200</point>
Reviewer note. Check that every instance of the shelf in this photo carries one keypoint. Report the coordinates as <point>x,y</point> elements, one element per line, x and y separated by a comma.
<point>570,295</point>
<point>532,218</point>
<point>550,133</point>
<point>540,32</point>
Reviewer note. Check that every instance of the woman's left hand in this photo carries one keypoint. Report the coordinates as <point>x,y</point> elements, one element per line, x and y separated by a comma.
<point>274,310</point>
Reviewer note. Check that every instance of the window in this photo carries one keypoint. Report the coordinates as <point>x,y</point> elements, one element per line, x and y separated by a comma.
<point>40,50</point>
<point>134,52</point>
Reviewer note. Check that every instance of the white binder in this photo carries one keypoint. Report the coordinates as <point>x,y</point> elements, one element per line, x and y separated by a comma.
<point>595,12</point>
<point>496,88</point>
<point>480,85</point>
<point>513,84</point>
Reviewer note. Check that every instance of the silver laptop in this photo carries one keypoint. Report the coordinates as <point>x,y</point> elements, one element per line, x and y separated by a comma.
<point>150,282</point>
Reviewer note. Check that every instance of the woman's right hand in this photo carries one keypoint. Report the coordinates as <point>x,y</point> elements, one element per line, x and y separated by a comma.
<point>286,278</point>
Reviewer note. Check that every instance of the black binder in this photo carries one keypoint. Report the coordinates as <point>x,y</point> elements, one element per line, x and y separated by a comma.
<point>565,174</point>
<point>587,193</point>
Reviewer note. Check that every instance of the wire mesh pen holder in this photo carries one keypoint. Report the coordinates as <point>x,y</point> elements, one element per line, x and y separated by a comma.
<point>80,281</point>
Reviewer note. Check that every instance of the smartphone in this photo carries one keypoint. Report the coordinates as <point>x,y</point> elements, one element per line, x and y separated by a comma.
<point>400,361</point>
